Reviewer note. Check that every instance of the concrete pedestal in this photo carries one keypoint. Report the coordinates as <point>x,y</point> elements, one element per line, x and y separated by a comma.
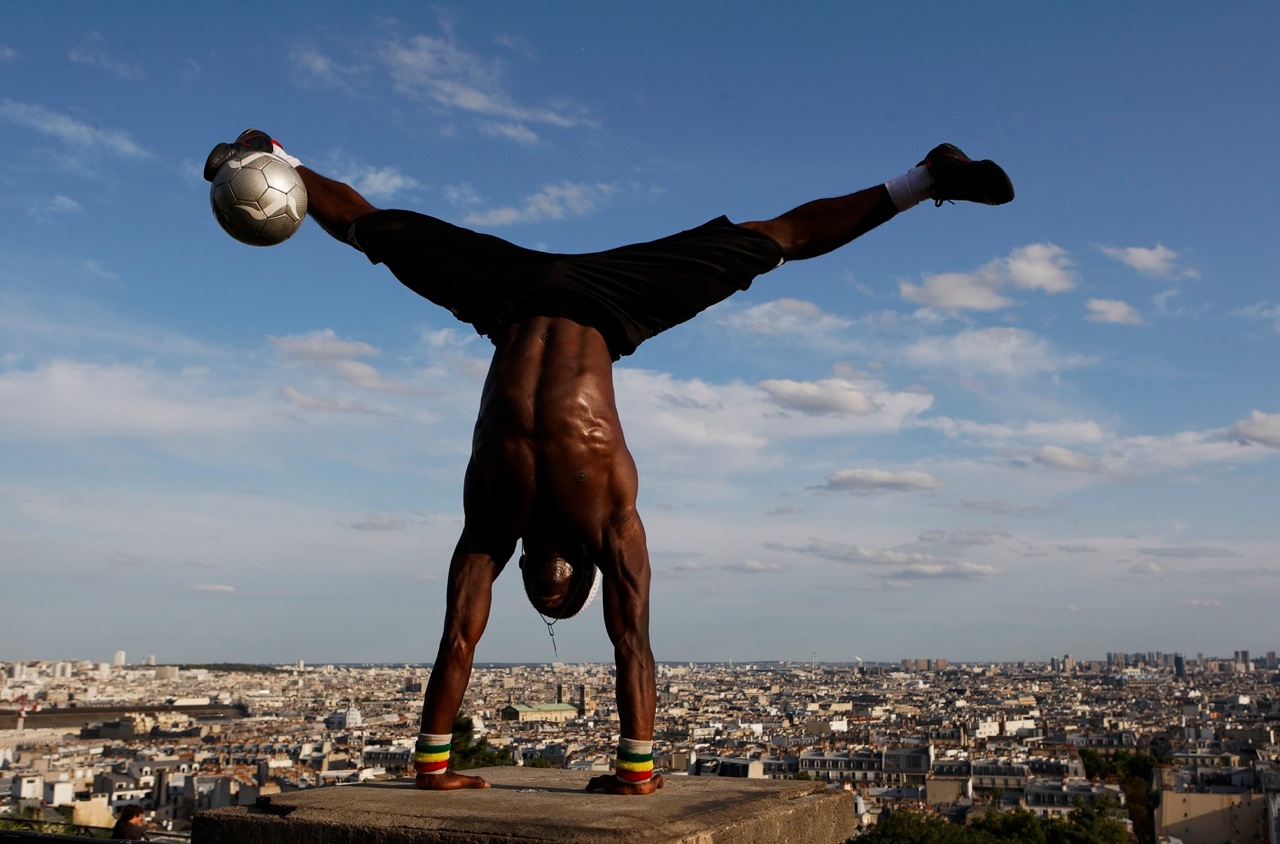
<point>531,805</point>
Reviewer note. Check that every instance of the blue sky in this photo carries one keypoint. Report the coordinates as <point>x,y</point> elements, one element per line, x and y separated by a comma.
<point>976,433</point>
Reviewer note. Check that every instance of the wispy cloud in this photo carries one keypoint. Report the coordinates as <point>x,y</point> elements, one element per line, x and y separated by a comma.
<point>1188,552</point>
<point>1003,508</point>
<point>337,356</point>
<point>70,131</point>
<point>377,183</point>
<point>552,202</point>
<point>47,208</point>
<point>755,567</point>
<point>381,522</point>
<point>446,73</point>
<point>1263,311</point>
<point>211,588</point>
<point>1009,352</point>
<point>872,481</point>
<point>1057,457</point>
<point>93,53</point>
<point>1157,261</point>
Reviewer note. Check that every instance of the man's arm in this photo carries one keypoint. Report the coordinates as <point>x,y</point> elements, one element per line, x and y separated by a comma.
<point>470,594</point>
<point>625,566</point>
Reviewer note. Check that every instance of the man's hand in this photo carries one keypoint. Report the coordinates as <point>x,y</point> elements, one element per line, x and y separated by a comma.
<point>254,140</point>
<point>448,781</point>
<point>612,785</point>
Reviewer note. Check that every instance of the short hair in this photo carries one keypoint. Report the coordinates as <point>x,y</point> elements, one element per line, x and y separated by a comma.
<point>128,813</point>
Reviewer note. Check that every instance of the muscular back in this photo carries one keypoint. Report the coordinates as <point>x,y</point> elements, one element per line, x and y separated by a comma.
<point>548,460</point>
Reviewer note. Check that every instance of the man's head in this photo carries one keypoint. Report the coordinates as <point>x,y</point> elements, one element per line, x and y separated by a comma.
<point>557,586</point>
<point>131,813</point>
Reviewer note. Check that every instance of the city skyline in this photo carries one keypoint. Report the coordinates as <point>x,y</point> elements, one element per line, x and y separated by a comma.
<point>1245,657</point>
<point>1042,428</point>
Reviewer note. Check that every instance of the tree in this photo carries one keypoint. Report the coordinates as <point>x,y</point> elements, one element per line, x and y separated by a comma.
<point>907,827</point>
<point>466,753</point>
<point>1018,825</point>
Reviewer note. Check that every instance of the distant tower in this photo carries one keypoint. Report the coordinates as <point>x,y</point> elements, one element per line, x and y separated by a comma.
<point>119,661</point>
<point>151,660</point>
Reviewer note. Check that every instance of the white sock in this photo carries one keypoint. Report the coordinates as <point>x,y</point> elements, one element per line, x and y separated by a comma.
<point>911,188</point>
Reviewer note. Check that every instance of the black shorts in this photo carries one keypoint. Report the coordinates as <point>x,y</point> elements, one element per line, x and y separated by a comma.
<point>628,294</point>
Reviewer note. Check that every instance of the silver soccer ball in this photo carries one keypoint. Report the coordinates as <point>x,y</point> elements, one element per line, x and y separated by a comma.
<point>258,198</point>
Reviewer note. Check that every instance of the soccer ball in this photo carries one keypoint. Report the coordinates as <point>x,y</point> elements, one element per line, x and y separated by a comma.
<point>258,198</point>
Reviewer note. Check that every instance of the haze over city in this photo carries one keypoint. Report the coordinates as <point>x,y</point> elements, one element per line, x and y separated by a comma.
<point>977,433</point>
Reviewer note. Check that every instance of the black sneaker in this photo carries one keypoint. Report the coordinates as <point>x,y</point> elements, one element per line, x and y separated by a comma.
<point>956,176</point>
<point>250,139</point>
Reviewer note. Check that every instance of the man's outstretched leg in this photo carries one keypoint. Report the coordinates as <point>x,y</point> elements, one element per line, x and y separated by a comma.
<point>945,175</point>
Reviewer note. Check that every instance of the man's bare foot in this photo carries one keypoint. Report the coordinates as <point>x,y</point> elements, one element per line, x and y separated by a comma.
<point>448,781</point>
<point>612,785</point>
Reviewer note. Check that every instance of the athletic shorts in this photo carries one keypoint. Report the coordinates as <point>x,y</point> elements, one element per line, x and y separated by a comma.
<point>628,294</point>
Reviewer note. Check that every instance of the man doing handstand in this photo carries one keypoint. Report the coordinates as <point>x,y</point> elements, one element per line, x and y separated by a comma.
<point>549,465</point>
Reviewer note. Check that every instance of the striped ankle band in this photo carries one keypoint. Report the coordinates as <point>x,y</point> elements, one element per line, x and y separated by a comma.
<point>431,753</point>
<point>635,761</point>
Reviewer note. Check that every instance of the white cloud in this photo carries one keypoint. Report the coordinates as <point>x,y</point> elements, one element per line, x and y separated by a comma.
<point>1262,310</point>
<point>1158,261</point>
<point>958,291</point>
<point>46,208</point>
<point>755,567</point>
<point>963,536</point>
<point>867,481</point>
<point>211,588</point>
<point>1261,428</point>
<point>309,402</point>
<point>314,66</point>
<point>1002,508</point>
<point>517,132</point>
<point>91,54</point>
<point>1203,602</point>
<point>381,522</point>
<point>1036,266</point>
<point>1057,457</point>
<point>71,131</point>
<point>1040,266</point>
<point>333,354</point>
<point>1112,310</point>
<point>453,78</point>
<point>72,398</point>
<point>842,553</point>
<point>945,571</point>
<point>380,182</point>
<point>833,396</point>
<point>553,202</point>
<point>1010,352</point>
<point>1002,434</point>
<point>323,345</point>
<point>793,318</point>
<point>1188,552</point>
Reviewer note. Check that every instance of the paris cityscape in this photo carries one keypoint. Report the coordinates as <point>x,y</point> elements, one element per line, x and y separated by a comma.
<point>1180,747</point>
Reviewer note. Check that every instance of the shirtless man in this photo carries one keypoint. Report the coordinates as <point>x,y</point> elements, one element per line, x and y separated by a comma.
<point>549,466</point>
